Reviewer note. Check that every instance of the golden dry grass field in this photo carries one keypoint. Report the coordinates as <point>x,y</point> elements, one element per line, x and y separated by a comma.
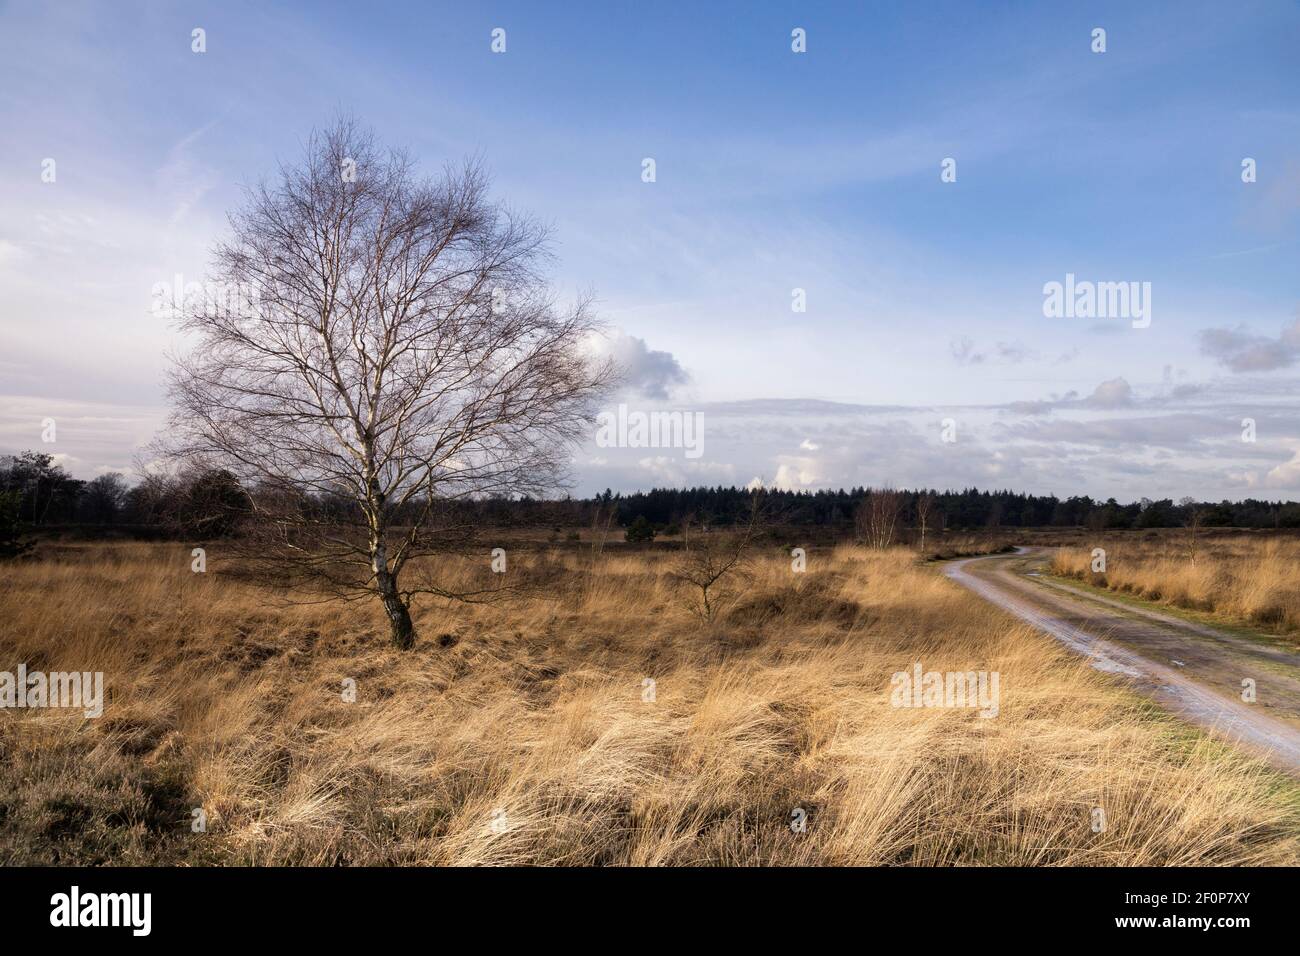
<point>1249,579</point>
<point>525,732</point>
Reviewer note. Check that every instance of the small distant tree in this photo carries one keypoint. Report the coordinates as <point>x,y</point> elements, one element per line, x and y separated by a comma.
<point>602,520</point>
<point>926,506</point>
<point>12,543</point>
<point>878,517</point>
<point>214,505</point>
<point>1194,521</point>
<point>44,487</point>
<point>103,497</point>
<point>709,559</point>
<point>640,530</point>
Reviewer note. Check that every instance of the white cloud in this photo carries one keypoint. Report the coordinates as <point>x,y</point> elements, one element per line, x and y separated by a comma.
<point>1285,476</point>
<point>796,473</point>
<point>645,372</point>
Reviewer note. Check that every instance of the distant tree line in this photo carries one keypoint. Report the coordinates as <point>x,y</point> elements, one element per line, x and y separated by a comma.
<point>38,493</point>
<point>968,509</point>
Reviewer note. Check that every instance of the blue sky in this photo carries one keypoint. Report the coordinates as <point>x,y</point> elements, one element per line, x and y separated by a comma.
<point>775,171</point>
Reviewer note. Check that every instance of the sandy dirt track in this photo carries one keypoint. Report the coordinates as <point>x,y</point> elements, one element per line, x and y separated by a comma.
<point>1191,669</point>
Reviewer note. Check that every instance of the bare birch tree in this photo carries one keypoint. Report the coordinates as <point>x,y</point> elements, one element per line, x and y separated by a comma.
<point>1195,520</point>
<point>878,517</point>
<point>926,505</point>
<point>392,349</point>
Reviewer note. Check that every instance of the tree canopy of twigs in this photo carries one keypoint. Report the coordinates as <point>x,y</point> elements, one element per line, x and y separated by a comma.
<point>382,345</point>
<point>709,557</point>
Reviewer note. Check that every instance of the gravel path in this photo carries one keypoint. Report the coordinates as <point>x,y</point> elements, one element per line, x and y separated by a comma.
<point>1190,669</point>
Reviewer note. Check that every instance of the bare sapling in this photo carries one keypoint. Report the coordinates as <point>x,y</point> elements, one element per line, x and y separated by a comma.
<point>712,558</point>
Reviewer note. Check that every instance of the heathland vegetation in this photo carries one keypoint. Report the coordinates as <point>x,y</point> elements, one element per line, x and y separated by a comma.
<point>593,717</point>
<point>1244,578</point>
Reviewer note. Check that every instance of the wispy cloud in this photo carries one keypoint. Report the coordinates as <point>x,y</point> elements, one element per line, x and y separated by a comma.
<point>184,177</point>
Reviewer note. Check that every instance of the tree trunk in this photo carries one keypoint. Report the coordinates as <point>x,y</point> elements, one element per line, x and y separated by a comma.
<point>399,617</point>
<point>401,629</point>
